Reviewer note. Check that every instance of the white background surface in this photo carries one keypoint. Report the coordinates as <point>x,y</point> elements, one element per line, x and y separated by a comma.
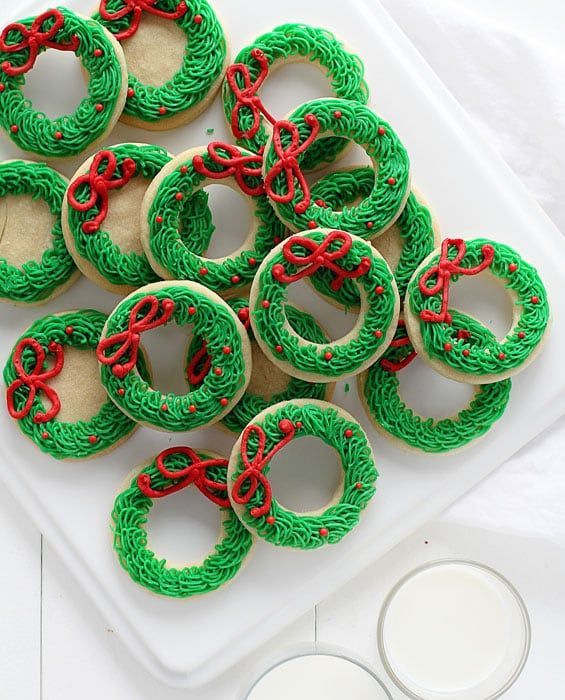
<point>55,646</point>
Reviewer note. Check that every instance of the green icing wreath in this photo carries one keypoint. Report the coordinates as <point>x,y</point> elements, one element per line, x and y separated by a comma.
<point>250,490</point>
<point>349,120</point>
<point>245,112</point>
<point>61,439</point>
<point>129,519</point>
<point>102,59</point>
<point>202,67</point>
<point>379,389</point>
<point>35,282</point>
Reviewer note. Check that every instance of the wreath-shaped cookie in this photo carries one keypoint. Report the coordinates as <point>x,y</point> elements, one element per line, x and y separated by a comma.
<point>171,471</point>
<point>164,203</point>
<point>292,138</point>
<point>33,378</point>
<point>379,391</point>
<point>176,54</point>
<point>102,59</point>
<point>184,303</point>
<point>251,121</point>
<point>268,384</point>
<point>347,257</point>
<point>248,474</point>
<point>52,270</point>
<point>108,248</point>
<point>471,353</point>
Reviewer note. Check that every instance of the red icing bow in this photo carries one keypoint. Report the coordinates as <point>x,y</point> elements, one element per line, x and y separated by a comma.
<point>288,164</point>
<point>319,257</point>
<point>99,184</point>
<point>129,339</point>
<point>136,8</point>
<point>34,38</point>
<point>234,163</point>
<point>399,343</point>
<point>35,380</point>
<point>443,271</point>
<point>252,477</point>
<point>195,473</point>
<point>247,95</point>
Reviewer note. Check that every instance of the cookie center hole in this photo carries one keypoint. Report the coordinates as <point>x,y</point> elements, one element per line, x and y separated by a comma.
<point>483,297</point>
<point>20,242</point>
<point>183,527</point>
<point>430,394</point>
<point>122,220</point>
<point>291,84</point>
<point>232,219</point>
<point>305,475</point>
<point>60,96</point>
<point>166,348</point>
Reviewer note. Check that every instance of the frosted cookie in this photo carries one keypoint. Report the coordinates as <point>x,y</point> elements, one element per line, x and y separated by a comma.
<point>268,385</point>
<point>35,265</point>
<point>101,216</point>
<point>458,346</point>
<point>292,138</point>
<point>54,391</point>
<point>172,191</point>
<point>102,60</point>
<point>343,257</point>
<point>176,55</point>
<point>184,303</point>
<point>379,389</point>
<point>172,470</point>
<point>248,474</point>
<point>249,118</point>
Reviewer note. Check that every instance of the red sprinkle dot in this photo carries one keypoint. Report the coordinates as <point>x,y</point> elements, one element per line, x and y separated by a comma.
<point>381,131</point>
<point>45,435</point>
<point>98,53</point>
<point>328,355</point>
<point>521,335</point>
<point>58,135</point>
<point>512,267</point>
<point>131,92</point>
<point>69,330</point>
<point>197,19</point>
<point>391,181</point>
<point>252,262</point>
<point>121,391</point>
<point>337,114</point>
<point>192,408</point>
<point>279,348</point>
<point>183,169</point>
<point>92,439</point>
<point>270,519</point>
<point>2,87</point>
<point>218,371</point>
<point>370,224</point>
<point>203,271</point>
<point>348,433</point>
<point>466,353</point>
<point>379,290</point>
<point>285,426</point>
<point>501,356</point>
<point>276,239</point>
<point>162,110</point>
<point>320,202</point>
<point>324,531</point>
<point>224,401</point>
<point>179,196</point>
<point>164,407</point>
<point>378,334</point>
<point>358,485</point>
<point>235,279</point>
<point>159,219</point>
<point>535,300</point>
<point>191,310</point>
<point>99,106</point>
<point>226,349</point>
<point>298,424</point>
<point>265,303</point>
<point>448,347</point>
<point>312,224</point>
<point>14,129</point>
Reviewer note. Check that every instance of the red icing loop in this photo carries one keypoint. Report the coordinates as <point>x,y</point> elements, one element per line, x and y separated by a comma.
<point>35,380</point>
<point>247,95</point>
<point>443,271</point>
<point>129,339</point>
<point>399,343</point>
<point>34,38</point>
<point>288,164</point>
<point>99,184</point>
<point>136,8</point>
<point>252,477</point>
<point>235,164</point>
<point>195,473</point>
<point>320,257</point>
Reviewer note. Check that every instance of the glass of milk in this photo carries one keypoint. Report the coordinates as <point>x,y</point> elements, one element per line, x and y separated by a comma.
<point>454,630</point>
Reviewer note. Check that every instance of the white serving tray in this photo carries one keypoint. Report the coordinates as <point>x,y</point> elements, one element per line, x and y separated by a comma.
<point>188,643</point>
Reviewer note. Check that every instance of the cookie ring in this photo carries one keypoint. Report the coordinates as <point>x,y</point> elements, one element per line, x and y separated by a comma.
<point>379,392</point>
<point>288,189</point>
<point>35,282</point>
<point>132,506</point>
<point>181,179</point>
<point>28,380</point>
<point>252,402</point>
<point>153,104</point>
<point>250,491</point>
<point>249,119</point>
<point>472,354</point>
<point>120,266</point>
<point>348,257</point>
<point>96,115</point>
<point>414,231</point>
<point>155,305</point>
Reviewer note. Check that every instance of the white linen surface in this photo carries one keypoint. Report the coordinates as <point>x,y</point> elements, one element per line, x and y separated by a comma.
<point>505,63</point>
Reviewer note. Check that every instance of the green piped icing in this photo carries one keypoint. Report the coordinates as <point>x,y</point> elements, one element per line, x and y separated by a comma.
<point>380,390</point>
<point>61,439</point>
<point>129,521</point>
<point>360,124</point>
<point>35,130</point>
<point>202,66</point>
<point>34,281</point>
<point>302,531</point>
<point>181,259</point>
<point>488,357</point>
<point>343,69</point>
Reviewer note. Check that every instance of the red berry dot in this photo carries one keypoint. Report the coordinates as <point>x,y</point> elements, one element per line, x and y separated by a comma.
<point>98,53</point>
<point>337,114</point>
<point>270,519</point>
<point>224,401</point>
<point>69,330</point>
<point>131,92</point>
<point>191,310</point>
<point>92,439</point>
<point>276,239</point>
<point>14,129</point>
<point>535,300</point>
<point>381,131</point>
<point>183,169</point>
<point>512,267</point>
<point>99,106</point>
<point>501,356</point>
<point>466,353</point>
<point>218,371</point>
<point>235,279</point>
<point>312,224</point>
<point>164,407</point>
<point>252,262</point>
<point>226,349</point>
<point>378,334</point>
<point>279,348</point>
<point>320,202</point>
<point>45,435</point>
<point>358,485</point>
<point>159,219</point>
<point>348,433</point>
<point>448,347</point>
<point>370,224</point>
<point>2,87</point>
<point>298,424</point>
<point>379,290</point>
<point>192,408</point>
<point>285,426</point>
<point>58,135</point>
<point>197,19</point>
<point>521,335</point>
<point>391,181</point>
<point>324,531</point>
<point>121,391</point>
<point>162,110</point>
<point>203,271</point>
<point>179,196</point>
<point>265,303</point>
<point>328,355</point>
